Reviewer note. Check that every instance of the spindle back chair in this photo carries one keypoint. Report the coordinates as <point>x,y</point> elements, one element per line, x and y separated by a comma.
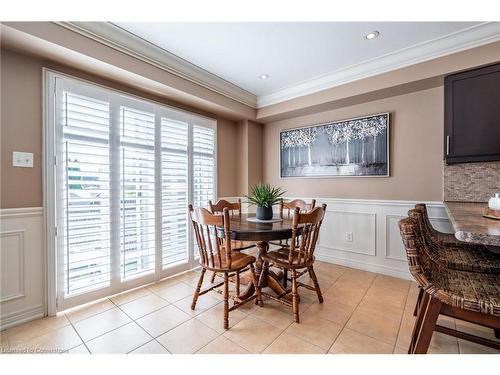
<point>298,255</point>
<point>213,237</point>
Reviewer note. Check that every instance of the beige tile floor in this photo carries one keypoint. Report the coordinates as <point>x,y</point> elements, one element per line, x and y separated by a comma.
<point>363,312</point>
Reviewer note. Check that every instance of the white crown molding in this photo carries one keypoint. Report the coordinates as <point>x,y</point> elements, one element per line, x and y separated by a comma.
<point>126,42</point>
<point>475,36</point>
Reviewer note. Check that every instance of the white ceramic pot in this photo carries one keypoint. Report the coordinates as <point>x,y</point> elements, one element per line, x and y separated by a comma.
<point>494,202</point>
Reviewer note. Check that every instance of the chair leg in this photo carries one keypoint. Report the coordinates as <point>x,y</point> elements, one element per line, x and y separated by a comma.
<point>418,322</point>
<point>312,274</point>
<point>212,280</point>
<point>258,300</point>
<point>419,301</point>
<point>285,277</point>
<point>260,282</point>
<point>295,297</point>
<point>428,324</point>
<point>237,283</point>
<point>226,300</point>
<point>198,288</point>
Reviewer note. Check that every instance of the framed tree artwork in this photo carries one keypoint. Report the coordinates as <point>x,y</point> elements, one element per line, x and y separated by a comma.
<point>357,147</point>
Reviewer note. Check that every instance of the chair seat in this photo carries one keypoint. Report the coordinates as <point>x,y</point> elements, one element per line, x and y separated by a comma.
<point>279,258</point>
<point>474,291</point>
<point>238,262</point>
<point>465,257</point>
<point>241,245</point>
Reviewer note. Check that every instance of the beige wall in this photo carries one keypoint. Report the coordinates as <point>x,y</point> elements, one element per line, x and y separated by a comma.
<point>416,135</point>
<point>21,129</point>
<point>250,149</point>
<point>255,151</point>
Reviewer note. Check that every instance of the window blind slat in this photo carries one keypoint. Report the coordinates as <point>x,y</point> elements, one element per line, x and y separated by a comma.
<point>174,136</point>
<point>86,193</point>
<point>137,192</point>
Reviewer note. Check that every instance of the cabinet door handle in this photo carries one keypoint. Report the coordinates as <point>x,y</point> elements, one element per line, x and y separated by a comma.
<point>447,145</point>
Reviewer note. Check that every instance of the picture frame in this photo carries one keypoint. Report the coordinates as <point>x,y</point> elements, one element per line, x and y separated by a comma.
<point>355,147</point>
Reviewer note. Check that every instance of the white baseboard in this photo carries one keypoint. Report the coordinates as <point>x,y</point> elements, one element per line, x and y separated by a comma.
<point>363,266</point>
<point>21,316</point>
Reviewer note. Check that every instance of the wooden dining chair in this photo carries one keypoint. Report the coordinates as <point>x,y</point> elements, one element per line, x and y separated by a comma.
<point>234,210</point>
<point>236,245</point>
<point>216,255</point>
<point>287,208</point>
<point>299,255</point>
<point>464,295</point>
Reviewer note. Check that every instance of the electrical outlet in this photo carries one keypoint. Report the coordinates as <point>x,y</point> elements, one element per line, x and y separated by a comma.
<point>22,159</point>
<point>348,236</point>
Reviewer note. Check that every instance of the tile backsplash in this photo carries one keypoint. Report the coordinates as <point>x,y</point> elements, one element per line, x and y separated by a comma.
<point>471,182</point>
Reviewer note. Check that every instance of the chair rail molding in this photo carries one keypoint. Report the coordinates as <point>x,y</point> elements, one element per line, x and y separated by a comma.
<point>374,243</point>
<point>22,253</point>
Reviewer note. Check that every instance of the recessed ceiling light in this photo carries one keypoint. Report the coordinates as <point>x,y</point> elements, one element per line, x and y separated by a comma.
<point>372,35</point>
<point>264,76</point>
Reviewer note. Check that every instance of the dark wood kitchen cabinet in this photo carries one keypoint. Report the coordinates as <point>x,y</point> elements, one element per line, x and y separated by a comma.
<point>472,115</point>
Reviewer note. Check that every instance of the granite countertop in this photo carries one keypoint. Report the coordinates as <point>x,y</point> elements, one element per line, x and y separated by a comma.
<point>470,225</point>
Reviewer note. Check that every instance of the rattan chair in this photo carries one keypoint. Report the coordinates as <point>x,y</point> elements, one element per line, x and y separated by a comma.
<point>469,296</point>
<point>450,253</point>
<point>298,256</point>
<point>216,256</point>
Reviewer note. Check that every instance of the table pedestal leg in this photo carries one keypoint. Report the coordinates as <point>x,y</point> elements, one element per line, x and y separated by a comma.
<point>270,279</point>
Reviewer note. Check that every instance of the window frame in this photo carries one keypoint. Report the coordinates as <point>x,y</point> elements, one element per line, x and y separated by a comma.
<point>56,301</point>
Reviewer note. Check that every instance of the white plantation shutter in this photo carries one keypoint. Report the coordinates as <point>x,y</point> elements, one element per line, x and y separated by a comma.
<point>85,193</point>
<point>137,185</point>
<point>174,166</point>
<point>203,165</point>
<point>128,170</point>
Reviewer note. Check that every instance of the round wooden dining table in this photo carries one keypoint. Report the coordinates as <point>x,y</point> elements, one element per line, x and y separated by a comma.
<point>261,233</point>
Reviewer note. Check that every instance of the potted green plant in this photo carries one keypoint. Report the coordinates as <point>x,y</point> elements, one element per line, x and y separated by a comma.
<point>264,196</point>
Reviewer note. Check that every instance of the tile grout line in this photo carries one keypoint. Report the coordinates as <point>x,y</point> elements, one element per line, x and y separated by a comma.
<point>90,316</point>
<point>375,338</point>
<point>133,321</point>
<point>78,334</point>
<point>235,342</point>
<point>350,316</point>
<point>294,321</point>
<point>219,334</point>
<point>401,319</point>
<point>176,326</point>
<point>308,307</point>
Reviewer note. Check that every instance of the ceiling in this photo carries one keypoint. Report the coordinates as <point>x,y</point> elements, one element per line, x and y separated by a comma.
<point>289,52</point>
<point>300,58</point>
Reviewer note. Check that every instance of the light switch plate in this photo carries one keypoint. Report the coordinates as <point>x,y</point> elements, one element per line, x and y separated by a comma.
<point>22,159</point>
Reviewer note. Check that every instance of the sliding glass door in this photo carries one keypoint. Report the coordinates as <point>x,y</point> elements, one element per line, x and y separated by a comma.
<point>124,171</point>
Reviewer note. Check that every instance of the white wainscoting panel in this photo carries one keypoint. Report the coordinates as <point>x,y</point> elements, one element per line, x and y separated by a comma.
<point>22,259</point>
<point>362,225</point>
<point>376,243</point>
<point>12,265</point>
